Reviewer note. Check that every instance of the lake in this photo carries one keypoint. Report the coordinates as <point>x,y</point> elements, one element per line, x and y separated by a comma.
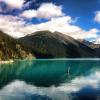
<point>50,79</point>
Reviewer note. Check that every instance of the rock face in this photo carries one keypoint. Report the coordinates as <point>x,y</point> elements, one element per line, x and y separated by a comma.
<point>45,44</point>
<point>11,49</point>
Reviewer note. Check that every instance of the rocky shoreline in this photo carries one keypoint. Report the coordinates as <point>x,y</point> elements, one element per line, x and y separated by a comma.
<point>7,62</point>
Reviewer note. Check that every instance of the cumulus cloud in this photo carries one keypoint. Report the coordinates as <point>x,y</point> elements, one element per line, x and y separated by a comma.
<point>17,27</point>
<point>65,26</point>
<point>97,17</point>
<point>14,3</point>
<point>46,10</point>
<point>12,25</point>
<point>29,14</point>
<point>61,24</point>
<point>83,34</point>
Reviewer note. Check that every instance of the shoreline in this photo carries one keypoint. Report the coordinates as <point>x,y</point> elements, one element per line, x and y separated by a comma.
<point>12,61</point>
<point>7,62</point>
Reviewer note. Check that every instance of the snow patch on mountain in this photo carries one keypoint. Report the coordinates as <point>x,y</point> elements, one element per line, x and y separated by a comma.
<point>97,41</point>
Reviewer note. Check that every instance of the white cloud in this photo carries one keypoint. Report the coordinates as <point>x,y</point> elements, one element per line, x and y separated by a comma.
<point>61,24</point>
<point>12,25</point>
<point>64,25</point>
<point>17,27</point>
<point>29,13</point>
<point>97,17</point>
<point>14,3</point>
<point>83,34</point>
<point>46,10</point>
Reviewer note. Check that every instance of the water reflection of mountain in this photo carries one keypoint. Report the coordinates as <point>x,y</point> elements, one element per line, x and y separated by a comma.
<point>46,72</point>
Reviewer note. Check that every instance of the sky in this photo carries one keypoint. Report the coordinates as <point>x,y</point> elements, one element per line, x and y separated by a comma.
<point>79,19</point>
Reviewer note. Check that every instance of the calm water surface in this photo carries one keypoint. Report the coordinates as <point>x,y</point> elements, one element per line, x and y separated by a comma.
<point>50,79</point>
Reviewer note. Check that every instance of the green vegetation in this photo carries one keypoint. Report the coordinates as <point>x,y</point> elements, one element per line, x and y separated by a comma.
<point>11,49</point>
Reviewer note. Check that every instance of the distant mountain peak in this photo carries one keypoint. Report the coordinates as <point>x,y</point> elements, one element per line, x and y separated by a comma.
<point>86,42</point>
<point>97,41</point>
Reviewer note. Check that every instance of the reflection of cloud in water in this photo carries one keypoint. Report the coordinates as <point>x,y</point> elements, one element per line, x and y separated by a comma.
<point>19,90</point>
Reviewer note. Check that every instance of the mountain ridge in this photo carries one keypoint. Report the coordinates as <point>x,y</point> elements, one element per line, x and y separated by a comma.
<point>63,45</point>
<point>43,44</point>
<point>93,45</point>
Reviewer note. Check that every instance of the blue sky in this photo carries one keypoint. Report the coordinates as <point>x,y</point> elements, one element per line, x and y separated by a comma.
<point>82,17</point>
<point>82,9</point>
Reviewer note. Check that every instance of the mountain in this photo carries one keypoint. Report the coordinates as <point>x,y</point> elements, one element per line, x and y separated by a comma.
<point>45,44</point>
<point>85,42</point>
<point>95,45</point>
<point>97,41</point>
<point>10,48</point>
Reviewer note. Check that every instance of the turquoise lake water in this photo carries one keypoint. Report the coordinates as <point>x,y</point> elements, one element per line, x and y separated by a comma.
<point>50,79</point>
